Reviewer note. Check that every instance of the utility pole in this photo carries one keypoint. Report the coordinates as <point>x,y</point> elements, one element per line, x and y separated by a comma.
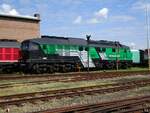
<point>147,24</point>
<point>117,67</point>
<point>88,39</point>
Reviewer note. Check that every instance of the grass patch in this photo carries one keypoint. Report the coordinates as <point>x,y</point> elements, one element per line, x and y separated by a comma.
<point>130,69</point>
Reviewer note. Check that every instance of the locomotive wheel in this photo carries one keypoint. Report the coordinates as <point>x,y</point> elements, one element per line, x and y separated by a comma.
<point>71,68</point>
<point>110,65</point>
<point>56,68</point>
<point>6,71</point>
<point>51,69</point>
<point>101,66</point>
<point>119,65</point>
<point>36,69</point>
<point>62,68</point>
<point>129,65</point>
<point>67,68</point>
<point>1,70</point>
<point>124,65</point>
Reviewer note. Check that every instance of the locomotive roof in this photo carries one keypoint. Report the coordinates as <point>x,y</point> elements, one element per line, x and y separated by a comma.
<point>58,40</point>
<point>75,41</point>
<point>9,43</point>
<point>104,43</point>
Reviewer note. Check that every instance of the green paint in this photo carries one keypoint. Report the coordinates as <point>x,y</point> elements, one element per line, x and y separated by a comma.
<point>93,53</point>
<point>48,49</point>
<point>135,56</point>
<point>122,54</point>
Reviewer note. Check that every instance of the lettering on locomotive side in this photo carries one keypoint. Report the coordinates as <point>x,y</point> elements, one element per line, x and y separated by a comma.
<point>118,56</point>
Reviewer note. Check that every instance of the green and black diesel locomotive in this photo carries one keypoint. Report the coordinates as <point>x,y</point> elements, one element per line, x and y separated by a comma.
<point>60,54</point>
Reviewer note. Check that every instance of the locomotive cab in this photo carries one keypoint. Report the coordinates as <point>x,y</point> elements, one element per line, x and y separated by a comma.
<point>30,50</point>
<point>35,58</point>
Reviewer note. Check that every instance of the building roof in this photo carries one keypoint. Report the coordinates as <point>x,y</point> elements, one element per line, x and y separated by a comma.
<point>34,18</point>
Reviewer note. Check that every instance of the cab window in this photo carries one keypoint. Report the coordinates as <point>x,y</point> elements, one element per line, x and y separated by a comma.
<point>25,46</point>
<point>125,50</point>
<point>86,49</point>
<point>103,49</point>
<point>44,47</point>
<point>34,46</point>
<point>80,48</point>
<point>113,50</point>
<point>97,49</point>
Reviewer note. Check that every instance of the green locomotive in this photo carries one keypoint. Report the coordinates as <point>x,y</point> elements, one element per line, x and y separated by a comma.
<point>55,54</point>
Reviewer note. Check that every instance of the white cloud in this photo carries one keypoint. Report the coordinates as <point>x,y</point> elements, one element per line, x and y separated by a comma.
<point>98,17</point>
<point>7,9</point>
<point>14,12</point>
<point>132,45</point>
<point>93,21</point>
<point>141,5</point>
<point>124,18</point>
<point>102,13</point>
<point>78,20</point>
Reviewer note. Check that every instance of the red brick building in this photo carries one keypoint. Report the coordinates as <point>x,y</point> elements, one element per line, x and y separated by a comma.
<point>19,27</point>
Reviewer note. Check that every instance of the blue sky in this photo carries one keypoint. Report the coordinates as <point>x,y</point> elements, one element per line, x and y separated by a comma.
<point>116,20</point>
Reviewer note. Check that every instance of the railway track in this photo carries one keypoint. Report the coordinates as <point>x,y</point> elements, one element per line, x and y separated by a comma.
<point>91,76</point>
<point>37,82</point>
<point>81,74</point>
<point>132,105</point>
<point>47,95</point>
